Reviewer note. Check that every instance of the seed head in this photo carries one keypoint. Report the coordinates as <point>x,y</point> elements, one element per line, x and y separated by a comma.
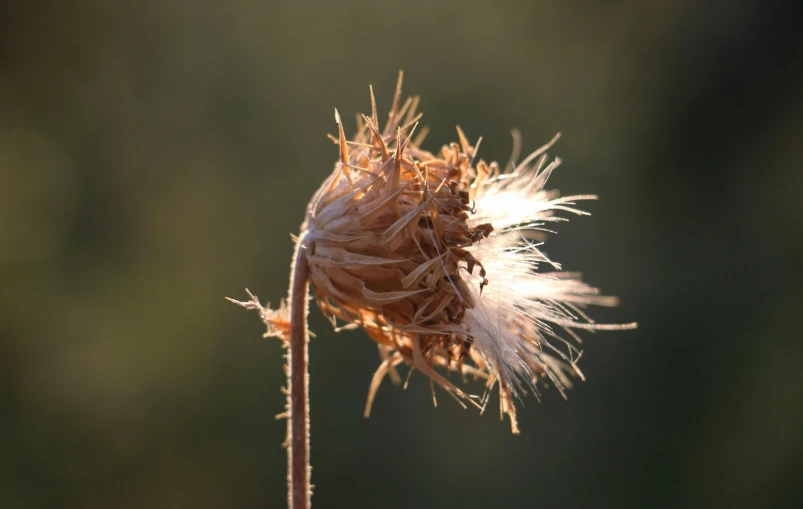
<point>436,257</point>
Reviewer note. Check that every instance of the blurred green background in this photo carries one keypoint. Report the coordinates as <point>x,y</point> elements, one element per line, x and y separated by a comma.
<point>155,157</point>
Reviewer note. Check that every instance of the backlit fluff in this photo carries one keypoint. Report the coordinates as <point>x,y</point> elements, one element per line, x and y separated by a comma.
<point>436,256</point>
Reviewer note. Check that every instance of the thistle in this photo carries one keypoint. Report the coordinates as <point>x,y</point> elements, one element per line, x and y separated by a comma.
<point>437,257</point>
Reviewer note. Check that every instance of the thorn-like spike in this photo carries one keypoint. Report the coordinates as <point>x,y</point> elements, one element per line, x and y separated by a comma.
<point>411,112</point>
<point>378,139</point>
<point>394,121</point>
<point>414,120</point>
<point>474,151</point>
<point>396,96</point>
<point>455,153</point>
<point>395,176</point>
<point>464,145</point>
<point>344,150</point>
<point>360,122</point>
<point>422,134</point>
<point>394,179</point>
<point>420,175</point>
<point>409,137</point>
<point>374,115</point>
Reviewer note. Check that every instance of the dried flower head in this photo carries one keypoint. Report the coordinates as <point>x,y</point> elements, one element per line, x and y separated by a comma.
<point>436,257</point>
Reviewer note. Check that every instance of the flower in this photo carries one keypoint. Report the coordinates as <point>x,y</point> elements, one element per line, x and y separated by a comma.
<point>438,259</point>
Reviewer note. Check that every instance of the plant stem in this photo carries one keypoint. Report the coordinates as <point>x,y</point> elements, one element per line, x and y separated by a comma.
<point>298,466</point>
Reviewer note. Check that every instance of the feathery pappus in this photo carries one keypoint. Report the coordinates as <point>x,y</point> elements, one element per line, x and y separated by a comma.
<point>437,257</point>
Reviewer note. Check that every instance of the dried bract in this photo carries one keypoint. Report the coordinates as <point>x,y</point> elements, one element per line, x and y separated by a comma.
<point>436,257</point>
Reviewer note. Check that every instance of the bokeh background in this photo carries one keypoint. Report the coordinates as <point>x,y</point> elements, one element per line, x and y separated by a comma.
<point>156,155</point>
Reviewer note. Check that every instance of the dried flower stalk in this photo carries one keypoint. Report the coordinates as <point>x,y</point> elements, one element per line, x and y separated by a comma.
<point>290,325</point>
<point>437,257</point>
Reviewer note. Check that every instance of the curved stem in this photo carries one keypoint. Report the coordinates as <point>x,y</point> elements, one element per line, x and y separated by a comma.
<point>298,466</point>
